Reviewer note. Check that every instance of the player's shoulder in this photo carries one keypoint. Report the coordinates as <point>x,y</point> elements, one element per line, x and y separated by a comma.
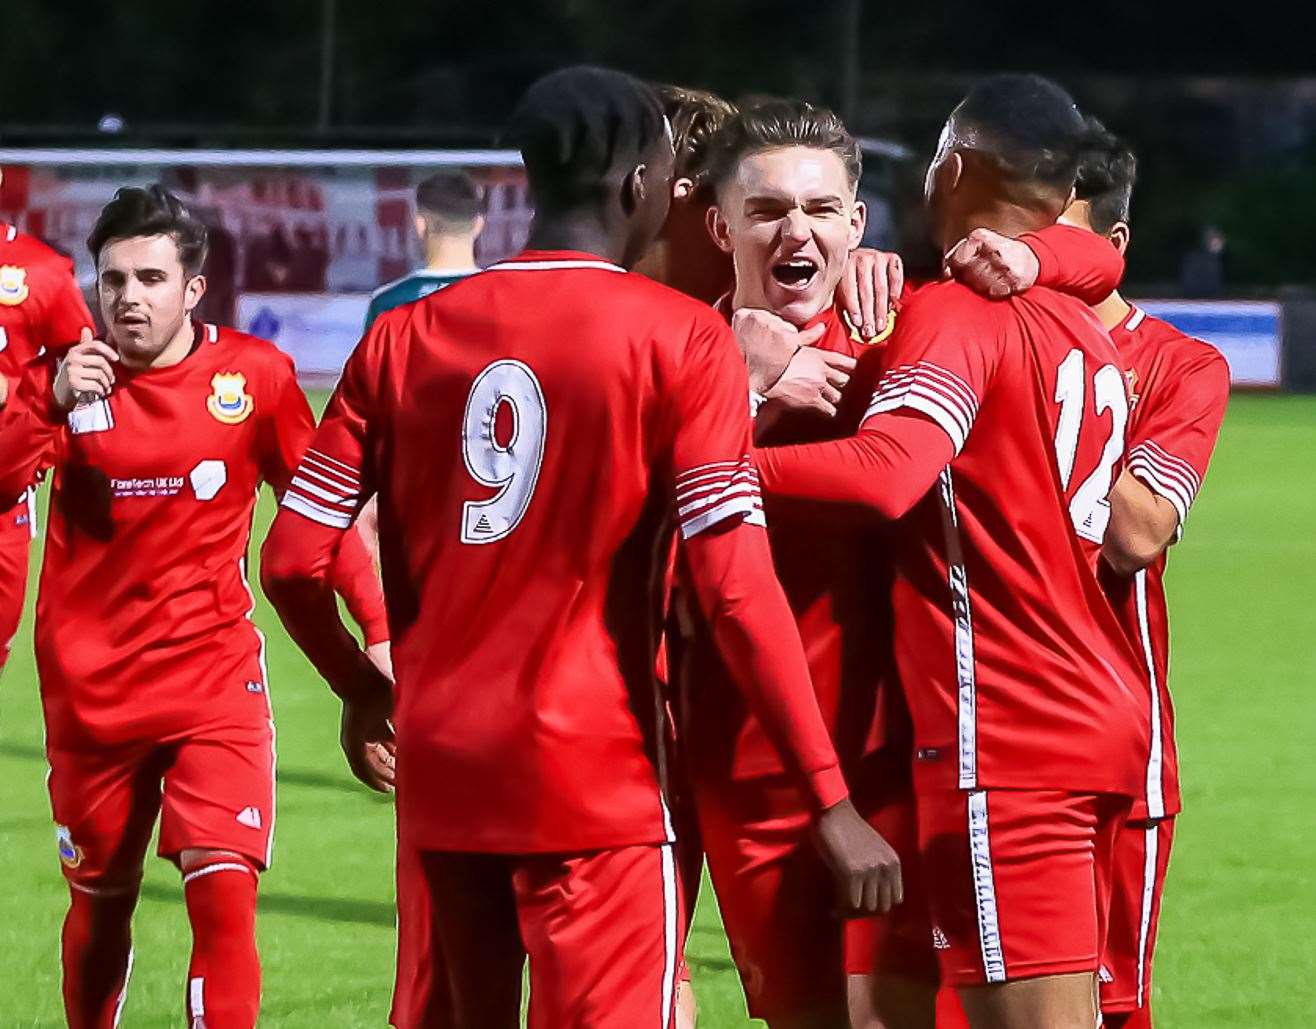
<point>35,255</point>
<point>247,353</point>
<point>950,303</point>
<point>1175,345</point>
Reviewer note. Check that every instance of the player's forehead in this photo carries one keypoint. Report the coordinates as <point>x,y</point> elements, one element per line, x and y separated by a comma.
<point>139,253</point>
<point>792,173</point>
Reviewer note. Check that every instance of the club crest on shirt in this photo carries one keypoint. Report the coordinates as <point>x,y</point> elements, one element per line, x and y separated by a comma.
<point>881,337</point>
<point>229,401</point>
<point>70,854</point>
<point>13,285</point>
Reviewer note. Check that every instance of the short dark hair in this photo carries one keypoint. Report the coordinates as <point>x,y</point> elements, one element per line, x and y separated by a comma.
<point>770,124</point>
<point>695,115</point>
<point>1028,127</point>
<point>1107,171</point>
<point>151,211</point>
<point>449,199</point>
<point>577,127</point>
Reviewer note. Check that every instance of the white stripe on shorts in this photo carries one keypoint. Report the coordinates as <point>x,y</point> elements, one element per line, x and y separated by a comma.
<point>1150,859</point>
<point>984,889</point>
<point>669,934</point>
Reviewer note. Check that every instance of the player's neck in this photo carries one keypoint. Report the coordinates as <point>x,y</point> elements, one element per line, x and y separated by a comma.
<point>585,235</point>
<point>1113,310</point>
<point>1006,218</point>
<point>445,253</point>
<point>170,354</point>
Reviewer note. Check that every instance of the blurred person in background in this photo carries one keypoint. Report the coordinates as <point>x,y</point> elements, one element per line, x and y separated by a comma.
<point>41,311</point>
<point>449,219</point>
<point>1203,271</point>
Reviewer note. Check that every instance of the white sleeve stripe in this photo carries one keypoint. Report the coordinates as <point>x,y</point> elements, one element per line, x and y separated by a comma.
<point>748,489</point>
<point>934,376</point>
<point>948,422</point>
<point>316,513</point>
<point>331,474</point>
<point>715,482</point>
<point>1155,449</point>
<point>930,384</point>
<point>1167,472</point>
<point>744,506</point>
<point>1173,494</point>
<point>955,410</point>
<point>951,383</point>
<point>347,469</point>
<point>704,469</point>
<point>316,491</point>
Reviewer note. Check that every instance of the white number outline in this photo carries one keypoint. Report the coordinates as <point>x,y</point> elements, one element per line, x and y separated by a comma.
<point>481,415</point>
<point>1089,510</point>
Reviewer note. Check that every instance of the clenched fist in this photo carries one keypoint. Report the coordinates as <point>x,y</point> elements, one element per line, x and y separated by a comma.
<point>86,374</point>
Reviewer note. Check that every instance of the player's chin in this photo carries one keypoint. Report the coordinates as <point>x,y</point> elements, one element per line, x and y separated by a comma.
<point>797,306</point>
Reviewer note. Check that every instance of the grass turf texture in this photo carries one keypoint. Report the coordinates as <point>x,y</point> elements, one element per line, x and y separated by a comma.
<point>1235,948</point>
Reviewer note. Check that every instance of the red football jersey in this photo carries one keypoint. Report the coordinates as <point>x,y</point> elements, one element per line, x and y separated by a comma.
<point>530,431</point>
<point>836,571</point>
<point>41,309</point>
<point>1179,389</point>
<point>1010,655</point>
<point>41,306</point>
<point>143,626</point>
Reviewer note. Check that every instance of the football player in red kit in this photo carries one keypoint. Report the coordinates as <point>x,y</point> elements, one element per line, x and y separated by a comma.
<point>786,211</point>
<point>554,416</point>
<point>998,430</point>
<point>1179,389</point>
<point>152,675</point>
<point>41,310</point>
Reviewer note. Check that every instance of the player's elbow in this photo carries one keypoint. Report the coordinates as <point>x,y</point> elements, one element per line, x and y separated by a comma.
<point>284,565</point>
<point>1130,552</point>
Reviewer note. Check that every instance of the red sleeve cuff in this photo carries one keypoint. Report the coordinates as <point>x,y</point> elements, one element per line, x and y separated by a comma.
<point>827,787</point>
<point>375,631</point>
<point>1048,264</point>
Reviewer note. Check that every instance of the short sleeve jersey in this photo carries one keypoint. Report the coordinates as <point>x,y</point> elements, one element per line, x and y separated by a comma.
<point>835,568</point>
<point>1179,389</point>
<point>533,432</point>
<point>1014,666</point>
<point>142,627</point>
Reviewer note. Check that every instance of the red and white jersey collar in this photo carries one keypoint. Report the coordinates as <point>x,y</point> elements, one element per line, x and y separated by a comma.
<point>554,260</point>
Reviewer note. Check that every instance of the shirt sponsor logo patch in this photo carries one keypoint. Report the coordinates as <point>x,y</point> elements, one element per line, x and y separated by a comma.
<point>70,854</point>
<point>250,817</point>
<point>13,285</point>
<point>229,401</point>
<point>152,486</point>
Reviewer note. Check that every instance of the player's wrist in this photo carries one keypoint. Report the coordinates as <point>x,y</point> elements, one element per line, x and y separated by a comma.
<point>827,788</point>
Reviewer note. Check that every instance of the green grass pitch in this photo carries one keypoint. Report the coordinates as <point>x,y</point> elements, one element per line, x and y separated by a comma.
<point>1236,946</point>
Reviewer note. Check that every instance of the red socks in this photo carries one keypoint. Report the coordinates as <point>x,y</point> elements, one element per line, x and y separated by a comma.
<point>97,957</point>
<point>223,980</point>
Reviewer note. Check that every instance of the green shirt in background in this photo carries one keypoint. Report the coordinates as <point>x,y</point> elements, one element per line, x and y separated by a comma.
<point>410,288</point>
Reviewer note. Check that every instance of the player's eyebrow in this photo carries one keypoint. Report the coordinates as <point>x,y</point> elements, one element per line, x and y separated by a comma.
<point>773,199</point>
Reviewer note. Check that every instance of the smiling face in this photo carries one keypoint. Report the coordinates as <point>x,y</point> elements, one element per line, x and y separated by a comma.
<point>789,218</point>
<point>145,294</point>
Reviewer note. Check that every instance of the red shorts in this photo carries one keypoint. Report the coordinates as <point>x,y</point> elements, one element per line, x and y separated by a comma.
<point>212,791</point>
<point>1142,855</point>
<point>15,542</point>
<point>602,931</point>
<point>1019,880</point>
<point>778,899</point>
<point>420,986</point>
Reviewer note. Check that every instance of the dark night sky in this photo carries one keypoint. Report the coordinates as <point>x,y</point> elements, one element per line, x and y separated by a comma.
<point>455,66</point>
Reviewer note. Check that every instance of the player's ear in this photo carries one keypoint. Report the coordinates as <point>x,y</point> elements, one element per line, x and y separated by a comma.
<point>718,229</point>
<point>477,226</point>
<point>634,189</point>
<point>193,291</point>
<point>683,188</point>
<point>419,223</point>
<point>858,222</point>
<point>1119,237</point>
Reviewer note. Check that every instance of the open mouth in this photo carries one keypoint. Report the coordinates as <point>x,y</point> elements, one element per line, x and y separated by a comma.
<point>797,274</point>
